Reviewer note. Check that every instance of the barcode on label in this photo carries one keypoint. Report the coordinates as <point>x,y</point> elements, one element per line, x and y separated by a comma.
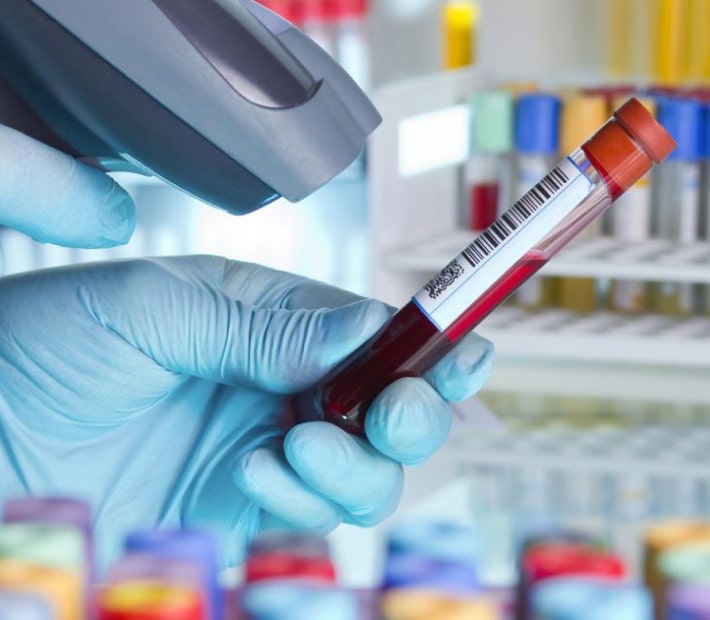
<point>514,217</point>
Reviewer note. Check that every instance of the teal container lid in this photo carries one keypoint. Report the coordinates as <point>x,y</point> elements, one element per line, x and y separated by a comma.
<point>688,563</point>
<point>577,598</point>
<point>56,546</point>
<point>492,121</point>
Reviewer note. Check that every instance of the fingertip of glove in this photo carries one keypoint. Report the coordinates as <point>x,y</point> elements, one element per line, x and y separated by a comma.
<point>117,217</point>
<point>463,371</point>
<point>408,421</point>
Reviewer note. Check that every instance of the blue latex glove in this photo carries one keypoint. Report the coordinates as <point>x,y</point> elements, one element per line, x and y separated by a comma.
<point>54,198</point>
<point>157,390</point>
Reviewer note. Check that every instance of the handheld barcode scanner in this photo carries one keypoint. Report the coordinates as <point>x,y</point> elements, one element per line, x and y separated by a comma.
<point>223,99</point>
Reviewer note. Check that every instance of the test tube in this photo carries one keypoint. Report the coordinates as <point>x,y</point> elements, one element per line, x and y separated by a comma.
<point>184,545</point>
<point>537,144</point>
<point>562,558</point>
<point>677,194</point>
<point>581,115</point>
<point>317,20</point>
<point>351,40</point>
<point>504,256</point>
<point>60,511</point>
<point>698,42</point>
<point>488,170</point>
<point>669,23</point>
<point>460,21</point>
<point>631,223</point>
<point>585,599</point>
<point>688,563</point>
<point>658,539</point>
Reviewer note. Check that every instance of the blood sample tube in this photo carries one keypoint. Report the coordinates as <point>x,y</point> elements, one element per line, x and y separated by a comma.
<point>677,194</point>
<point>488,170</point>
<point>537,144</point>
<point>499,260</point>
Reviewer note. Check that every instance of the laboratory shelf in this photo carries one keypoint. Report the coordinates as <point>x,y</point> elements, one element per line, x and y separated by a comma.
<point>599,337</point>
<point>603,257</point>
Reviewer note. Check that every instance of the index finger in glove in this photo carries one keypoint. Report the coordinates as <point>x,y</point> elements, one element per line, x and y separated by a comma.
<point>54,198</point>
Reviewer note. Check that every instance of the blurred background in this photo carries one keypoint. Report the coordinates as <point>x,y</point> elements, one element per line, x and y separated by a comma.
<point>598,410</point>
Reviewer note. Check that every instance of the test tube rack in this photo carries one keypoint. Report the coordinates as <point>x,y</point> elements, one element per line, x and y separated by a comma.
<point>416,230</point>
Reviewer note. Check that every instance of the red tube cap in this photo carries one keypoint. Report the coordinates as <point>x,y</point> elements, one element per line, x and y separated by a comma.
<point>639,122</point>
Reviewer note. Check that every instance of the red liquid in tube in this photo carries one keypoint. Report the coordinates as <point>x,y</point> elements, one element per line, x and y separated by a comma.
<point>502,257</point>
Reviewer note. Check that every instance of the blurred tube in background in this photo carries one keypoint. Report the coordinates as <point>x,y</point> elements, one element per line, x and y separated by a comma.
<point>537,143</point>
<point>669,28</point>
<point>631,223</point>
<point>698,41</point>
<point>581,116</point>
<point>488,172</point>
<point>460,23</point>
<point>677,195</point>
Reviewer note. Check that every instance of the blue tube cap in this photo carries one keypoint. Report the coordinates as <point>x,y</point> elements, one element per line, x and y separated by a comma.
<point>586,599</point>
<point>683,118</point>
<point>438,540</point>
<point>404,570</point>
<point>287,600</point>
<point>537,124</point>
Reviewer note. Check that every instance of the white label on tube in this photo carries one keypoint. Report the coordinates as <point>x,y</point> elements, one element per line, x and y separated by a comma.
<point>473,272</point>
<point>689,215</point>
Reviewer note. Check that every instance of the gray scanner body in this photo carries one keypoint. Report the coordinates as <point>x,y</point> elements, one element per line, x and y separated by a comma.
<point>221,98</point>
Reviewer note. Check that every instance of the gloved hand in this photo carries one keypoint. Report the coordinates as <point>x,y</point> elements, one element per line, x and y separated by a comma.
<point>54,198</point>
<point>157,390</point>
